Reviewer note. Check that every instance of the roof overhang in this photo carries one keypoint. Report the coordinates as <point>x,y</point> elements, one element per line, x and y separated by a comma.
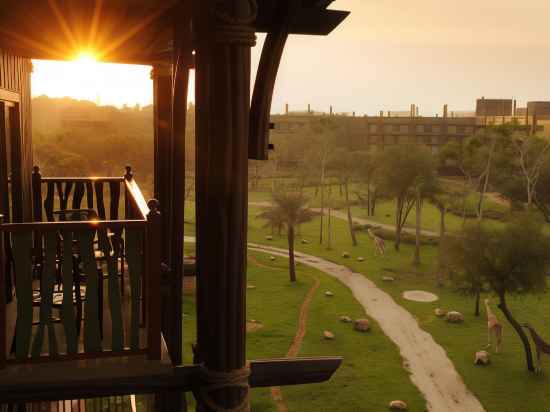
<point>126,31</point>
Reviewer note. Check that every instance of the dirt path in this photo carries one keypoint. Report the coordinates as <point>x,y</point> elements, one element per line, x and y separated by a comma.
<point>431,370</point>
<point>276,392</point>
<point>359,220</point>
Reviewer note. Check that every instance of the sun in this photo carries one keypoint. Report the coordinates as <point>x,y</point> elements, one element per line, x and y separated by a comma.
<point>86,58</point>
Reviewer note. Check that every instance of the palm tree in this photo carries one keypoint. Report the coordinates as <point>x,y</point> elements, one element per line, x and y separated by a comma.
<point>289,210</point>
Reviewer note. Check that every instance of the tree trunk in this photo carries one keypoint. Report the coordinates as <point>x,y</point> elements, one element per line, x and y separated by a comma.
<point>418,225</point>
<point>521,333</point>
<point>373,203</point>
<point>322,205</point>
<point>329,230</point>
<point>291,262</point>
<point>441,223</point>
<point>478,299</point>
<point>350,218</point>
<point>368,197</point>
<point>486,182</point>
<point>398,212</point>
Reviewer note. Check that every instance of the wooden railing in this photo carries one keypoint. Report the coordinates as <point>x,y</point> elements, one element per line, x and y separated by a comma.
<point>59,265</point>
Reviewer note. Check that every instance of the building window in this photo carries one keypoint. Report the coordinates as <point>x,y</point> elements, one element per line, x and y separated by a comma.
<point>452,129</point>
<point>403,128</point>
<point>420,128</point>
<point>389,140</point>
<point>395,128</point>
<point>428,128</point>
<point>461,130</point>
<point>373,128</point>
<point>435,149</point>
<point>469,130</point>
<point>387,128</point>
<point>435,140</point>
<point>436,129</point>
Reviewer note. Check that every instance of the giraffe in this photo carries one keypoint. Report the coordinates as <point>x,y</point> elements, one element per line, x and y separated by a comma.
<point>378,243</point>
<point>541,345</point>
<point>493,327</point>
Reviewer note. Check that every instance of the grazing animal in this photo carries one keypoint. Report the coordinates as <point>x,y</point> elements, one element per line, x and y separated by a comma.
<point>540,344</point>
<point>379,243</point>
<point>494,328</point>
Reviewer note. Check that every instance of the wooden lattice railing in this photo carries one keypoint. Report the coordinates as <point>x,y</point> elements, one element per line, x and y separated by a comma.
<point>71,270</point>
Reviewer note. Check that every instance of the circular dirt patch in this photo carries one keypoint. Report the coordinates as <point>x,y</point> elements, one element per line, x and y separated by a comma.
<point>420,296</point>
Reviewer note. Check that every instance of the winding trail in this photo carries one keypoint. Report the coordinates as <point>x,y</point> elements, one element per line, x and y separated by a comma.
<point>431,370</point>
<point>361,221</point>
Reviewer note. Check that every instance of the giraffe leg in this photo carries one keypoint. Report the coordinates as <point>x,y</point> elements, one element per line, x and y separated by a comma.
<point>488,337</point>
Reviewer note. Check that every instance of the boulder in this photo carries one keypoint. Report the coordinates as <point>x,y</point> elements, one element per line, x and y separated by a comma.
<point>454,317</point>
<point>269,237</point>
<point>272,258</point>
<point>482,358</point>
<point>398,406</point>
<point>328,335</point>
<point>345,319</point>
<point>440,312</point>
<point>345,255</point>
<point>360,259</point>
<point>388,278</point>
<point>329,294</point>
<point>305,242</point>
<point>251,287</point>
<point>362,325</point>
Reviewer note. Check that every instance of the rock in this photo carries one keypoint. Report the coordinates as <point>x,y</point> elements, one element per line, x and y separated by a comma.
<point>251,287</point>
<point>454,317</point>
<point>398,406</point>
<point>440,312</point>
<point>305,242</point>
<point>362,325</point>
<point>360,259</point>
<point>345,319</point>
<point>269,238</point>
<point>345,255</point>
<point>328,335</point>
<point>388,278</point>
<point>329,294</point>
<point>272,258</point>
<point>482,358</point>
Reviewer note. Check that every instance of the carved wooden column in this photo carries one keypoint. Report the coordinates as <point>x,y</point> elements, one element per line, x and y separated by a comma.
<point>224,40</point>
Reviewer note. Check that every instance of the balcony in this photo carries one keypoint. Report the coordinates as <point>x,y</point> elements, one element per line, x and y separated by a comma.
<point>80,291</point>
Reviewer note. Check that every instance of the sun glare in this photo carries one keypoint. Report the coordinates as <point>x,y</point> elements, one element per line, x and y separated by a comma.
<point>86,57</point>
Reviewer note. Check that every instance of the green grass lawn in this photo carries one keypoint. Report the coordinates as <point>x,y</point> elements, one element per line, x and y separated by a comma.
<point>371,374</point>
<point>505,385</point>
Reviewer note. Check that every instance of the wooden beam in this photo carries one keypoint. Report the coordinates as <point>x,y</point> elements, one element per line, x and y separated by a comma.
<point>264,373</point>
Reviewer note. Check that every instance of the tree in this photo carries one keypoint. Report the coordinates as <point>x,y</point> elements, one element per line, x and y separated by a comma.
<point>532,154</point>
<point>344,165</point>
<point>366,171</point>
<point>402,173</point>
<point>512,260</point>
<point>424,186</point>
<point>476,157</point>
<point>290,210</point>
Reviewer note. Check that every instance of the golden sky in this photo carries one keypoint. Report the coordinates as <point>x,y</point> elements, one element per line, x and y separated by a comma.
<point>387,55</point>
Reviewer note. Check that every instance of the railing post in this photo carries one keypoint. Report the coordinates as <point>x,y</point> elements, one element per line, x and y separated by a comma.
<point>2,297</point>
<point>128,208</point>
<point>153,261</point>
<point>37,208</point>
<point>37,194</point>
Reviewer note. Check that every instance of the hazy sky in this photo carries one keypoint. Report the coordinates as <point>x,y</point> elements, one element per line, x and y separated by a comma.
<point>389,54</point>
